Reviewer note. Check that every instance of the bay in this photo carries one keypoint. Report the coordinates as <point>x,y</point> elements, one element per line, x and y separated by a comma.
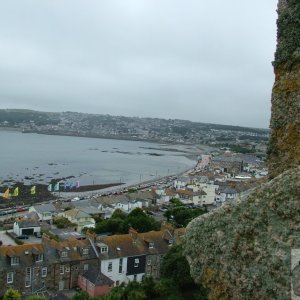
<point>35,158</point>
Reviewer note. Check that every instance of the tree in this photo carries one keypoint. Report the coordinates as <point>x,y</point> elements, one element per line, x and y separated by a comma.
<point>81,295</point>
<point>12,294</point>
<point>35,297</point>
<point>140,221</point>
<point>175,267</point>
<point>134,291</point>
<point>117,293</point>
<point>118,213</point>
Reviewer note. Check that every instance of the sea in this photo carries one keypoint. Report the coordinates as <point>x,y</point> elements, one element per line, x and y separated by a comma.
<point>37,159</point>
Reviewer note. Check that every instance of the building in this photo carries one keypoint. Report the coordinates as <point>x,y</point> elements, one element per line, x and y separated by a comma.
<point>46,212</point>
<point>26,226</point>
<point>79,217</point>
<point>95,283</point>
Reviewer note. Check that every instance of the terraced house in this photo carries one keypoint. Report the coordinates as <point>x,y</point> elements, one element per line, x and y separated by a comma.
<point>95,264</point>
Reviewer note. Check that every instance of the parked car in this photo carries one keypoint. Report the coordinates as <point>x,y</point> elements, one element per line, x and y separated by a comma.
<point>22,237</point>
<point>38,235</point>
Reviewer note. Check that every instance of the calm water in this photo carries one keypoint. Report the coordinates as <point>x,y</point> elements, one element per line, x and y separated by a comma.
<point>90,160</point>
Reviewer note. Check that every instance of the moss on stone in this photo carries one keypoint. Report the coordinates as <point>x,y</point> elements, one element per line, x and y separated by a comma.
<point>242,250</point>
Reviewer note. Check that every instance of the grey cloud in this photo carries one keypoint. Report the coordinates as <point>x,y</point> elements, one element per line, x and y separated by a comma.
<point>194,60</point>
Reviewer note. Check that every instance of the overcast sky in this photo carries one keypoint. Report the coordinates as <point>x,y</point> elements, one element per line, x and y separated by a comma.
<point>206,61</point>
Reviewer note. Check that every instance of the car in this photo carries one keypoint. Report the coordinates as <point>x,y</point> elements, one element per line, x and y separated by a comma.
<point>1,243</point>
<point>22,237</point>
<point>38,235</point>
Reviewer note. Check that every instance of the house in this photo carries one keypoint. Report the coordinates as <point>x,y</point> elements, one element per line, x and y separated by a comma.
<point>45,211</point>
<point>23,267</point>
<point>209,193</point>
<point>181,182</point>
<point>79,217</point>
<point>94,263</point>
<point>131,256</point>
<point>89,206</point>
<point>95,283</point>
<point>147,197</point>
<point>227,163</point>
<point>128,205</point>
<point>226,193</point>
<point>67,260</point>
<point>26,226</point>
<point>190,196</point>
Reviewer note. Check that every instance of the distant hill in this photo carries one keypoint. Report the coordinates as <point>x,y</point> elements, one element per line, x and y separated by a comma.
<point>133,128</point>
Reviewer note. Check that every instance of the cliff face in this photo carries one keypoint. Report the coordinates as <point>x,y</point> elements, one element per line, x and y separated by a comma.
<point>284,145</point>
<point>243,250</point>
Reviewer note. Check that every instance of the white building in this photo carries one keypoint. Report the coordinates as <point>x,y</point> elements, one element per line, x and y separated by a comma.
<point>26,227</point>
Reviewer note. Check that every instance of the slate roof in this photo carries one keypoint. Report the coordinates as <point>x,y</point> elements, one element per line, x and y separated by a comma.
<point>25,223</point>
<point>19,250</point>
<point>76,213</point>
<point>97,278</point>
<point>25,252</point>
<point>127,245</point>
<point>48,207</point>
<point>72,246</point>
<point>228,190</point>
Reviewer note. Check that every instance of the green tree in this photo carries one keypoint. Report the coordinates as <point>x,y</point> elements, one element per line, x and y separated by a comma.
<point>140,221</point>
<point>81,295</point>
<point>101,226</point>
<point>148,284</point>
<point>175,267</point>
<point>115,225</point>
<point>134,291</point>
<point>117,293</point>
<point>118,213</point>
<point>12,294</point>
<point>35,297</point>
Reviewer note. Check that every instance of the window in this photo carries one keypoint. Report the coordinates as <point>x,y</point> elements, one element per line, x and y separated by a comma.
<point>64,254</point>
<point>104,249</point>
<point>85,267</point>
<point>85,251</point>
<point>10,277</point>
<point>134,277</point>
<point>136,262</point>
<point>44,272</point>
<point>14,260</point>
<point>151,245</point>
<point>117,283</point>
<point>109,269</point>
<point>121,265</point>
<point>61,269</point>
<point>67,269</point>
<point>39,257</point>
<point>148,260</point>
<point>28,277</point>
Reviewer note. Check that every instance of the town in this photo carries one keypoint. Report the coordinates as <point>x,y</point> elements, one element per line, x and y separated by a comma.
<point>95,243</point>
<point>246,140</point>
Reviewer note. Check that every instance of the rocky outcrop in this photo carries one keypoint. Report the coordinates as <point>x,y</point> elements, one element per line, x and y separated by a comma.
<point>243,250</point>
<point>284,145</point>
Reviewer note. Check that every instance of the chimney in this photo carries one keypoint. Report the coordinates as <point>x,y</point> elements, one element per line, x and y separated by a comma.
<point>133,233</point>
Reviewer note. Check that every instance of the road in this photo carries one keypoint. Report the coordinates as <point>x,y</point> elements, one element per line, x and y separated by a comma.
<point>6,240</point>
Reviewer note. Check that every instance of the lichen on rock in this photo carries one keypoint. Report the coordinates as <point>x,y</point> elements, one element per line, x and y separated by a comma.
<point>284,145</point>
<point>242,250</point>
